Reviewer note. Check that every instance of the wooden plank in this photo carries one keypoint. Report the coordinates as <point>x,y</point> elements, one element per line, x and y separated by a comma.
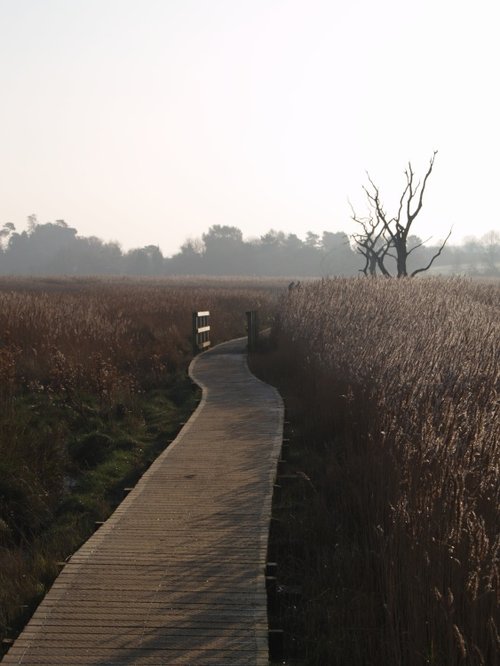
<point>177,573</point>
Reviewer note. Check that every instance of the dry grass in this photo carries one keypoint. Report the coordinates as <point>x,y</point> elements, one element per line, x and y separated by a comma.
<point>104,332</point>
<point>395,387</point>
<point>92,374</point>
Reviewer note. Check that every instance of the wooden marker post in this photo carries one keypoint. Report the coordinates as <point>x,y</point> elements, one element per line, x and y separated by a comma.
<point>201,331</point>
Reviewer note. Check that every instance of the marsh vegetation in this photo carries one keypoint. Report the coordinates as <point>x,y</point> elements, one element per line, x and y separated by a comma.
<point>93,385</point>
<point>390,529</point>
<point>388,538</point>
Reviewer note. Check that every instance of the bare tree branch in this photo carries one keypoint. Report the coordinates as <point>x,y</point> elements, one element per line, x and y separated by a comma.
<point>381,254</point>
<point>412,216</point>
<point>418,245</point>
<point>421,270</point>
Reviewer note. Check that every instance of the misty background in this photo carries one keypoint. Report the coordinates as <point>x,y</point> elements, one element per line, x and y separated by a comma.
<point>55,248</point>
<point>151,121</point>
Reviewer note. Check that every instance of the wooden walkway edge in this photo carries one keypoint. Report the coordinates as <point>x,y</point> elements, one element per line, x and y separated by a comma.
<point>177,574</point>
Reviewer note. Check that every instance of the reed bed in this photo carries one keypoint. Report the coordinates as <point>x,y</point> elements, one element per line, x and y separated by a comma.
<point>92,381</point>
<point>92,329</point>
<point>395,386</point>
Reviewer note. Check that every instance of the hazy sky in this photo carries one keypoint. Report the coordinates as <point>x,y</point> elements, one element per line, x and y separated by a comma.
<point>147,121</point>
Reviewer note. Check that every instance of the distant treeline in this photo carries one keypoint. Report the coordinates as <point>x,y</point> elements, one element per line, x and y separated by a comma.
<point>55,248</point>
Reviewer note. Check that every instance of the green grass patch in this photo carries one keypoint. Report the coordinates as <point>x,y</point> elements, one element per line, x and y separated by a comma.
<point>64,466</point>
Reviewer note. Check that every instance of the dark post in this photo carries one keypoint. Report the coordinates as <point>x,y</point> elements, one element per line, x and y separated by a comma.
<point>252,329</point>
<point>194,333</point>
<point>275,644</point>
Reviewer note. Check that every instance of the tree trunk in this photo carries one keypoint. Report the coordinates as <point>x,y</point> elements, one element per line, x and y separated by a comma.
<point>402,255</point>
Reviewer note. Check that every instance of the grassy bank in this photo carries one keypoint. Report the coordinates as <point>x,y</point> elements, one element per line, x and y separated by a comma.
<point>389,537</point>
<point>67,469</point>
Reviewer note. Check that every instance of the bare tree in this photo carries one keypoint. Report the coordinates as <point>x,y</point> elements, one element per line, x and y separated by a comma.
<point>391,234</point>
<point>372,244</point>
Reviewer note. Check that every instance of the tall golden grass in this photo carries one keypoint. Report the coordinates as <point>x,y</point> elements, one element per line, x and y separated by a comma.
<point>101,333</point>
<point>398,387</point>
<point>77,359</point>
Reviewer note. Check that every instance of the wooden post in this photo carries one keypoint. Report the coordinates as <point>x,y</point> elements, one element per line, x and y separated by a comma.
<point>252,329</point>
<point>200,331</point>
<point>194,333</point>
<point>272,594</point>
<point>275,644</point>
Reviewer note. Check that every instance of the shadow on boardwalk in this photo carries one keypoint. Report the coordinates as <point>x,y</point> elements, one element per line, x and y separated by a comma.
<point>176,575</point>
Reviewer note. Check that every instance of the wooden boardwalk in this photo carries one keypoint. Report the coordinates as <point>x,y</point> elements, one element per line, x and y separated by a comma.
<point>177,574</point>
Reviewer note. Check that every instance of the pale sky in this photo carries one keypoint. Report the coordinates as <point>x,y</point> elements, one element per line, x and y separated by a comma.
<point>147,121</point>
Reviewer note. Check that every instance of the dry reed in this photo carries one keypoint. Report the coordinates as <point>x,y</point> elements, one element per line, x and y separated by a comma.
<point>398,387</point>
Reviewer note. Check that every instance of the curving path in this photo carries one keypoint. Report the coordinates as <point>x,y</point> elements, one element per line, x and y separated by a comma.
<point>176,574</point>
